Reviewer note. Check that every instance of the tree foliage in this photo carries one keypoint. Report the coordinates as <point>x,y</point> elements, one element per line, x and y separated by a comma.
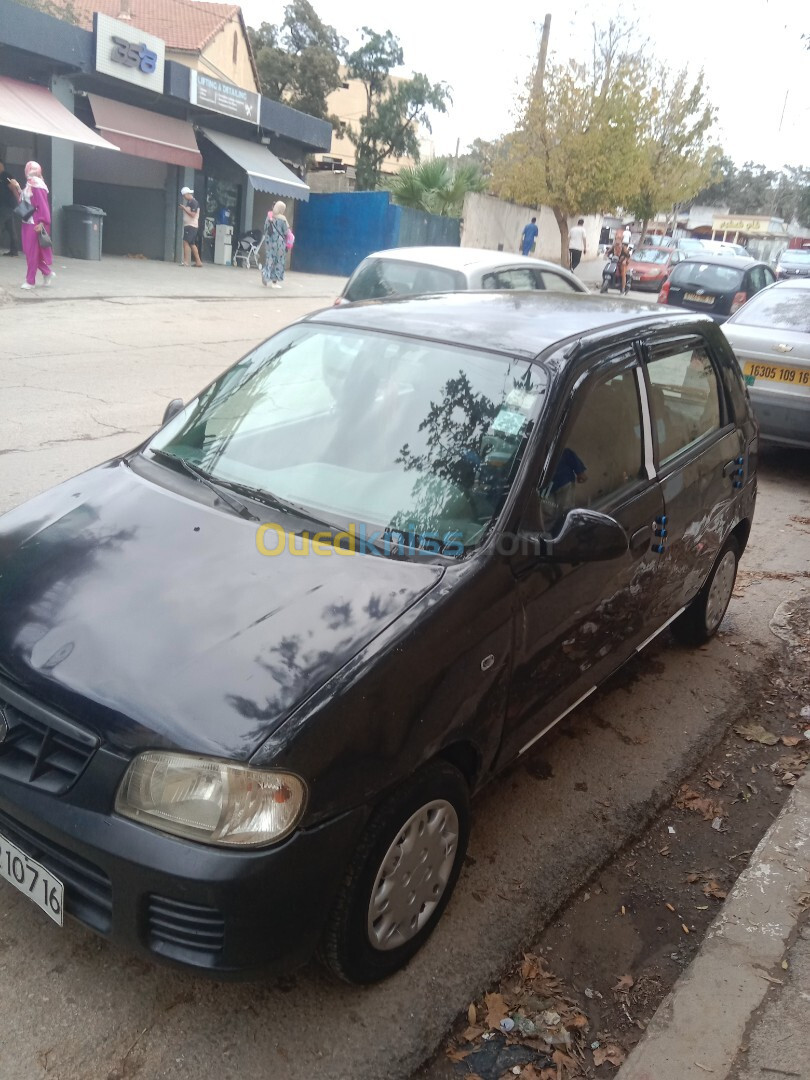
<point>299,60</point>
<point>60,9</point>
<point>615,132</point>
<point>676,159</point>
<point>576,147</point>
<point>755,189</point>
<point>395,108</point>
<point>436,187</point>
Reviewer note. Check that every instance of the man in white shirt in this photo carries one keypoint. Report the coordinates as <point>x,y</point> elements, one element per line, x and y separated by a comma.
<point>576,243</point>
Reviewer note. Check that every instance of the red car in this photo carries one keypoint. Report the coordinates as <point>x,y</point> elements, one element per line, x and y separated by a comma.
<point>650,266</point>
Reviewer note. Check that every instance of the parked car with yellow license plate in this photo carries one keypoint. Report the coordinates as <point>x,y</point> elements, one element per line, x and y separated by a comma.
<point>771,337</point>
<point>718,285</point>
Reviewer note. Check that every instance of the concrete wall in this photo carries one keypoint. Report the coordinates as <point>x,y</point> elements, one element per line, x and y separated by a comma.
<point>497,225</point>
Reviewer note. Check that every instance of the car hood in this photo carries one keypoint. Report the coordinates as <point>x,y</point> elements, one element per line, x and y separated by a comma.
<point>153,620</point>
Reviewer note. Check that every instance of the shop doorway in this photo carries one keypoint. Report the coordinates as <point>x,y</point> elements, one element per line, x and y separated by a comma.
<point>220,204</point>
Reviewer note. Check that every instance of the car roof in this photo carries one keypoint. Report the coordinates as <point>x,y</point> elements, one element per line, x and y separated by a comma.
<point>719,258</point>
<point>512,322</point>
<point>462,258</point>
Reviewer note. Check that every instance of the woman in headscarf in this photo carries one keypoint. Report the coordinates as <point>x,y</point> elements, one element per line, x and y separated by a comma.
<point>37,257</point>
<point>276,228</point>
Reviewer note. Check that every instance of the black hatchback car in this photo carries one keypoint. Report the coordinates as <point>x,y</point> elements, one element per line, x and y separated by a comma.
<point>252,672</point>
<point>716,284</point>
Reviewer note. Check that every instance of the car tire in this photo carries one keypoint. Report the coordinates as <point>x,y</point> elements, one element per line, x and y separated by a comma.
<point>378,922</point>
<point>703,617</point>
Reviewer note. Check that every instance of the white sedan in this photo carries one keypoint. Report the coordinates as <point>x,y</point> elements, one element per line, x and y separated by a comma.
<point>413,271</point>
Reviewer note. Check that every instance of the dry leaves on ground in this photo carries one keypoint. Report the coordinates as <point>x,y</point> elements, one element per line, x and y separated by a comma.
<point>713,888</point>
<point>689,799</point>
<point>756,733</point>
<point>497,1010</point>
<point>611,1053</point>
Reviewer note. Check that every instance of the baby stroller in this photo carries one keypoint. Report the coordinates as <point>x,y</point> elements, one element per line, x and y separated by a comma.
<point>247,249</point>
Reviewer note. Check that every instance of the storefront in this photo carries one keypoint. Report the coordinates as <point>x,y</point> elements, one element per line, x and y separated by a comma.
<point>117,126</point>
<point>764,237</point>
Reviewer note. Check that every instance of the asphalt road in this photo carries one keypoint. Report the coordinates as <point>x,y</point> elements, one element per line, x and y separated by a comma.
<point>82,380</point>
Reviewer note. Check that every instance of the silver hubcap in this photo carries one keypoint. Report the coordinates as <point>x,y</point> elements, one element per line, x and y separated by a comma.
<point>720,591</point>
<point>413,875</point>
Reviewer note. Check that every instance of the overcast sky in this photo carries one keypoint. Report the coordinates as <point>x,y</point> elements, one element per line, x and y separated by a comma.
<point>755,63</point>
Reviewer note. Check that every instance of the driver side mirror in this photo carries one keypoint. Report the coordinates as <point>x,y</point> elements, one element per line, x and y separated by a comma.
<point>585,536</point>
<point>174,407</point>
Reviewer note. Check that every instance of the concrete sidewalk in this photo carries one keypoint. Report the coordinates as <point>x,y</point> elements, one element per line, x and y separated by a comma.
<point>739,1012</point>
<point>118,277</point>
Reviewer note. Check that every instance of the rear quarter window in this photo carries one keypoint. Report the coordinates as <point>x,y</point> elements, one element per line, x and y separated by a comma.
<point>713,278</point>
<point>380,278</point>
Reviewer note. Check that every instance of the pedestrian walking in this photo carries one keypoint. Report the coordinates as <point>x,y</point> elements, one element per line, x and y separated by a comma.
<point>191,226</point>
<point>528,237</point>
<point>576,243</point>
<point>276,228</point>
<point>34,231</point>
<point>8,201</point>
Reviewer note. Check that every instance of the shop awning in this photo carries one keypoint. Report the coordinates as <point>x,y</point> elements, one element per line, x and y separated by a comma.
<point>265,171</point>
<point>27,107</point>
<point>146,134</point>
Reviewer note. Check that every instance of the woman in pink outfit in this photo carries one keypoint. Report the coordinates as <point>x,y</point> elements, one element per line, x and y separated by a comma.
<point>38,258</point>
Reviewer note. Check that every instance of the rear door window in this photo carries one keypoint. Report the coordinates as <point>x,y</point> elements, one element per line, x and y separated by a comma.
<point>551,282</point>
<point>685,397</point>
<point>707,276</point>
<point>379,278</point>
<point>513,278</point>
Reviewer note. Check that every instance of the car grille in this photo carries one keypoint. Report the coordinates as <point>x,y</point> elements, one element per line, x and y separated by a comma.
<point>182,926</point>
<point>39,748</point>
<point>88,892</point>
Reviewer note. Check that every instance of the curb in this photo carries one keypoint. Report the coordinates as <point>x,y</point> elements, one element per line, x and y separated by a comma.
<point>701,1024</point>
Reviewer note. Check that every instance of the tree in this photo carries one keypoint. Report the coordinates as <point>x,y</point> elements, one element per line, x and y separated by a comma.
<point>755,189</point>
<point>576,148</point>
<point>436,187</point>
<point>299,61</point>
<point>395,109</point>
<point>676,160</point>
<point>60,9</point>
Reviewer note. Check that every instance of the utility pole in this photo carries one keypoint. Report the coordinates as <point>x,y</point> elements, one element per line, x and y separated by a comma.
<point>541,60</point>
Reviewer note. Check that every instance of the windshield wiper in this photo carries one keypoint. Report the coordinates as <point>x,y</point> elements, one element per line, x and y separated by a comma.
<point>203,478</point>
<point>284,505</point>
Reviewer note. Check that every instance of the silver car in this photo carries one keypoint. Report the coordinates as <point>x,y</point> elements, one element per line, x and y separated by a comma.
<point>411,271</point>
<point>771,337</point>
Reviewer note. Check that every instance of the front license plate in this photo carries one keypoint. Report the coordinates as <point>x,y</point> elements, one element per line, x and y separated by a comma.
<point>33,879</point>
<point>698,299</point>
<point>777,373</point>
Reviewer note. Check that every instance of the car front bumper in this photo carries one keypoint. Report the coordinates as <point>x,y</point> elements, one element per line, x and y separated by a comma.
<point>222,912</point>
<point>783,418</point>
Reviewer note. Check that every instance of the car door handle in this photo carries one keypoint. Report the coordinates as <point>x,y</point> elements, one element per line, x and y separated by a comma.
<point>641,538</point>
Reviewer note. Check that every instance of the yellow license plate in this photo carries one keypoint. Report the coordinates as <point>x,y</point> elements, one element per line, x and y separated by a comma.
<point>777,373</point>
<point>698,299</point>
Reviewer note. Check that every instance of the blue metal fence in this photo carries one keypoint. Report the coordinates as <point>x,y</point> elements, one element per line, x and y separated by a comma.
<point>335,232</point>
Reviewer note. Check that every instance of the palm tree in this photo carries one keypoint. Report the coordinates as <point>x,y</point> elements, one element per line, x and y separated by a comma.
<point>436,187</point>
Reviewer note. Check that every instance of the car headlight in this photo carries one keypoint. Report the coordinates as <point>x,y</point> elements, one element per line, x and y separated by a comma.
<point>214,802</point>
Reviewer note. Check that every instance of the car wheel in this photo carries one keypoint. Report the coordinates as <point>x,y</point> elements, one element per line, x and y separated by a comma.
<point>401,876</point>
<point>703,617</point>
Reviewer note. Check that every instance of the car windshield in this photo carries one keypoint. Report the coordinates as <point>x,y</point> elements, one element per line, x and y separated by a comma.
<point>777,309</point>
<point>710,276</point>
<point>795,258</point>
<point>652,255</point>
<point>379,278</point>
<point>368,430</point>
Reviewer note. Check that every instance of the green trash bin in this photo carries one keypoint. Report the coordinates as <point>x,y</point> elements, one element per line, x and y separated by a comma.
<point>83,229</point>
